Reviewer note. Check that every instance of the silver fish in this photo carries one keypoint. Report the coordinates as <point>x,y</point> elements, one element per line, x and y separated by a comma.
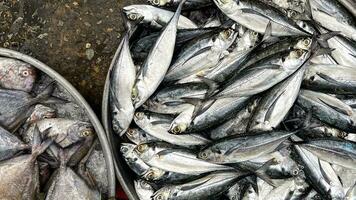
<point>157,63</point>
<point>333,16</point>
<point>203,60</point>
<point>256,15</point>
<point>180,161</point>
<point>204,188</point>
<point>330,78</point>
<point>242,148</point>
<point>122,80</point>
<point>257,79</point>
<point>156,17</point>
<point>160,131</point>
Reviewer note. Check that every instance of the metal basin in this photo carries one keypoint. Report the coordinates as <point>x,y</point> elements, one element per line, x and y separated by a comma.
<point>81,101</point>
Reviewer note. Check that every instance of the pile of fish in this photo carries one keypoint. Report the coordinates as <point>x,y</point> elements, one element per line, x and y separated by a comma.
<point>238,99</point>
<point>48,147</point>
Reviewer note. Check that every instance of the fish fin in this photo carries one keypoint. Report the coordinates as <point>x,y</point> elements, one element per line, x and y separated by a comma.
<point>36,141</point>
<point>211,84</point>
<point>158,122</point>
<point>328,78</point>
<point>341,110</point>
<point>349,191</point>
<point>39,149</point>
<point>326,36</point>
<point>323,173</point>
<point>189,186</point>
<point>46,97</point>
<point>268,32</point>
<point>322,51</point>
<point>261,173</point>
<point>198,104</point>
<point>203,50</point>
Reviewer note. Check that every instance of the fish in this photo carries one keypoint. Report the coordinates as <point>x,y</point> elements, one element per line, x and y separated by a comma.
<point>203,188</point>
<point>262,77</point>
<point>330,78</point>
<point>335,151</point>
<point>122,80</point>
<point>276,103</point>
<point>156,17</point>
<point>202,60</point>
<point>339,114</point>
<point>16,75</point>
<point>160,130</point>
<point>183,162</point>
<point>232,62</point>
<point>216,111</point>
<point>18,105</point>
<point>333,16</point>
<point>64,131</point>
<point>66,184</point>
<point>243,148</point>
<point>256,15</point>
<point>157,63</point>
<point>20,174</point>
<point>235,126</point>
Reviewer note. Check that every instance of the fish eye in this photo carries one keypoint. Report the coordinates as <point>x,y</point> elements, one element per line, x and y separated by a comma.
<point>130,132</point>
<point>203,155</point>
<point>115,127</point>
<point>307,42</point>
<point>25,73</point>
<point>176,130</point>
<point>132,16</point>
<point>149,175</point>
<point>124,149</point>
<point>139,115</point>
<point>300,52</point>
<point>295,172</point>
<point>159,197</point>
<point>142,147</point>
<point>254,33</point>
<point>86,133</point>
<point>228,33</point>
<point>134,94</point>
<point>155,2</point>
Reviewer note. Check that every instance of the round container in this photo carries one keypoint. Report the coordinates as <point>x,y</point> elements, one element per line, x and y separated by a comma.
<point>78,97</point>
<point>123,173</point>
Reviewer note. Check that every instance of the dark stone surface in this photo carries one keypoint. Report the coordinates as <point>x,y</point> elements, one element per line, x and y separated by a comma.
<point>64,35</point>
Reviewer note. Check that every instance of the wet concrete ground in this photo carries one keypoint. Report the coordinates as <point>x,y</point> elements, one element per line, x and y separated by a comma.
<point>77,38</point>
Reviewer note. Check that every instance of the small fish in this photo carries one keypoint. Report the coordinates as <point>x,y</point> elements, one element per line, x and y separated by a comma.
<point>243,148</point>
<point>64,131</point>
<point>207,187</point>
<point>156,17</point>
<point>157,63</point>
<point>256,15</point>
